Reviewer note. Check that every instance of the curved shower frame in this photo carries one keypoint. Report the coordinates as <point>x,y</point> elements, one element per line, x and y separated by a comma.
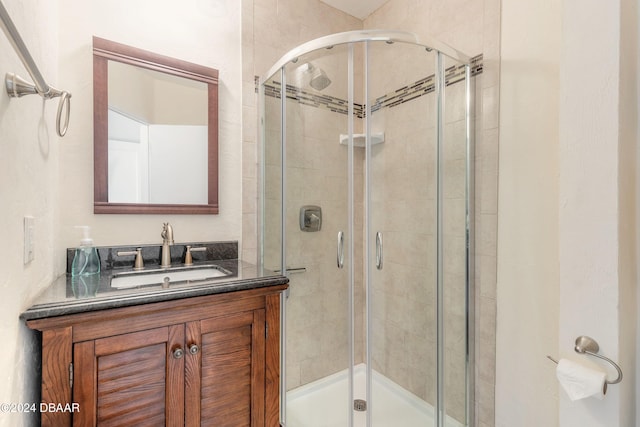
<point>363,36</point>
<point>430,44</point>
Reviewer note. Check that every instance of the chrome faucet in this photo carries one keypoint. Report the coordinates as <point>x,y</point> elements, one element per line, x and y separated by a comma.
<point>167,242</point>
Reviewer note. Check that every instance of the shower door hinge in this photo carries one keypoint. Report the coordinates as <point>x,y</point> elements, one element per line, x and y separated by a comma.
<point>71,375</point>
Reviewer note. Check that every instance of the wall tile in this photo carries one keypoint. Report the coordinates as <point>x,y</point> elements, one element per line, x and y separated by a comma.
<point>490,109</point>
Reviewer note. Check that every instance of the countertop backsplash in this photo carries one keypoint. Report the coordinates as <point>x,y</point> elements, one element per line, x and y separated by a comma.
<point>110,260</point>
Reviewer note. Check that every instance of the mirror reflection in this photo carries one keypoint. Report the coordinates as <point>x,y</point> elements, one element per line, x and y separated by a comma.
<point>157,126</point>
<point>155,133</point>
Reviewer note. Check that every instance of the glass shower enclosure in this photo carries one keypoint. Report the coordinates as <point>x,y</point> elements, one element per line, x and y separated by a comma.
<point>366,202</point>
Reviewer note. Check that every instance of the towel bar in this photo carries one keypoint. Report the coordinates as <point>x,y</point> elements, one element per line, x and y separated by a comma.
<point>587,345</point>
<point>17,86</point>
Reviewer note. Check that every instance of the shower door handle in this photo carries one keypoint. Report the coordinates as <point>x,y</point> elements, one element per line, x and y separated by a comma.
<point>340,249</point>
<point>379,254</point>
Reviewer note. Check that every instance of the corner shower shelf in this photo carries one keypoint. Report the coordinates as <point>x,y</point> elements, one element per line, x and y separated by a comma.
<point>360,139</point>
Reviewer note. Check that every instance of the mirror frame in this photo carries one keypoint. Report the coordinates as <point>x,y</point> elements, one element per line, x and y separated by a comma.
<point>106,50</point>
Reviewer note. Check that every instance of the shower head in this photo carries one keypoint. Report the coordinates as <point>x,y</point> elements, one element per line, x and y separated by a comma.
<point>318,79</point>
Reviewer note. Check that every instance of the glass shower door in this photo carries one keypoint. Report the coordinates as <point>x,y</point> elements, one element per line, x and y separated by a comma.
<point>318,177</point>
<point>456,309</point>
<point>366,205</point>
<point>401,234</point>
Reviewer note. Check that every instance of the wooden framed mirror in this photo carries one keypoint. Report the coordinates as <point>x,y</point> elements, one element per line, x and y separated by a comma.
<point>155,133</point>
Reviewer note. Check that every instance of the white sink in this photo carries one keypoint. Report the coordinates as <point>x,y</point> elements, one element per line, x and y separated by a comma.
<point>197,274</point>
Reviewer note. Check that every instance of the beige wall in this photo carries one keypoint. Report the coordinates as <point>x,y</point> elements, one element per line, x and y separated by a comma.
<point>51,178</point>
<point>568,196</point>
<point>206,33</point>
<point>528,269</point>
<point>130,90</point>
<point>155,97</point>
<point>28,176</point>
<point>628,217</point>
<point>598,193</point>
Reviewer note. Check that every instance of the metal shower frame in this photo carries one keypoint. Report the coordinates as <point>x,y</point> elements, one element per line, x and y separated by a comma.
<point>442,49</point>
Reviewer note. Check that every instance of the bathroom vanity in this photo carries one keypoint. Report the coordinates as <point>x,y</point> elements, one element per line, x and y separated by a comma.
<point>201,353</point>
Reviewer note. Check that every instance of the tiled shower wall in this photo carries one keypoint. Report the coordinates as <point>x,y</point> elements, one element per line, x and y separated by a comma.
<point>404,209</point>
<point>473,27</point>
<point>271,28</point>
<point>317,343</point>
<point>316,170</point>
<point>403,175</point>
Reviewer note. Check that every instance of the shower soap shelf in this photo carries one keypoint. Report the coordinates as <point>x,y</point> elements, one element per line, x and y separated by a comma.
<point>360,139</point>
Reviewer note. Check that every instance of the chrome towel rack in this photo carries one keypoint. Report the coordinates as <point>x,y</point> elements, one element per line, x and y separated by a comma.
<point>17,86</point>
<point>587,345</point>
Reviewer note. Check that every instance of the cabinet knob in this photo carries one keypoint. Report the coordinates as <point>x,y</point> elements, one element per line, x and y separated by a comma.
<point>194,349</point>
<point>178,353</point>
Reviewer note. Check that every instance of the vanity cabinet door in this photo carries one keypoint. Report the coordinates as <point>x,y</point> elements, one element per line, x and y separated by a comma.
<point>131,379</point>
<point>225,383</point>
<point>169,363</point>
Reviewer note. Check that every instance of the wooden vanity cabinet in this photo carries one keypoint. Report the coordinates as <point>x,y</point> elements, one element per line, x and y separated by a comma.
<point>203,361</point>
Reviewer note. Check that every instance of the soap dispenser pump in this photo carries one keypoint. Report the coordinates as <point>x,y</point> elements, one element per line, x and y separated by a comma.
<point>86,260</point>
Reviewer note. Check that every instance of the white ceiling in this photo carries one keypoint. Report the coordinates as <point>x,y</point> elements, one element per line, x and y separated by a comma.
<point>358,8</point>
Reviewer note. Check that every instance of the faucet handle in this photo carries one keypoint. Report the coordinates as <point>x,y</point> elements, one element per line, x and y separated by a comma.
<point>188,259</point>
<point>139,262</point>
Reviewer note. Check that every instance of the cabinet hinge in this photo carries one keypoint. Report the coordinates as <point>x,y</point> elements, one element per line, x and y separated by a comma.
<point>266,331</point>
<point>71,375</point>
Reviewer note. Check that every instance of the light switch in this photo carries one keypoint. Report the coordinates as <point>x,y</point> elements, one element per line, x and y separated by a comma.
<point>28,239</point>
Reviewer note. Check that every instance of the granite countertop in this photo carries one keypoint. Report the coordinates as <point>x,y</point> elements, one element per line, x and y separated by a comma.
<point>63,297</point>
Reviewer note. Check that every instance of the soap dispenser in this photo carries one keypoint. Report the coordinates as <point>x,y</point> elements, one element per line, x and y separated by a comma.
<point>85,268</point>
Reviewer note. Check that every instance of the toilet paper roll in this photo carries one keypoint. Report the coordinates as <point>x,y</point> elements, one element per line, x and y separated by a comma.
<point>579,381</point>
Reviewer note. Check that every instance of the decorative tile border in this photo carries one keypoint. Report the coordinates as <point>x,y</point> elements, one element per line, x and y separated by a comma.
<point>453,75</point>
<point>303,97</point>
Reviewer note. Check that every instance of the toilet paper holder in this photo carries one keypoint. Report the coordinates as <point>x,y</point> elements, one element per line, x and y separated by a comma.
<point>587,345</point>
